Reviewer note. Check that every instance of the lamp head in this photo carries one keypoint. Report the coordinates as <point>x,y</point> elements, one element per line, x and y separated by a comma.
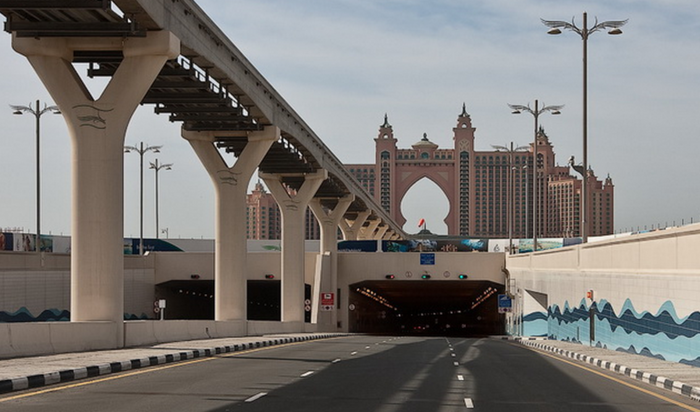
<point>516,111</point>
<point>555,112</point>
<point>18,112</point>
<point>615,31</point>
<point>554,31</point>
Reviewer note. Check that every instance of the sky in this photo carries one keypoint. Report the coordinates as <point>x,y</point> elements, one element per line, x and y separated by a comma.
<point>343,64</point>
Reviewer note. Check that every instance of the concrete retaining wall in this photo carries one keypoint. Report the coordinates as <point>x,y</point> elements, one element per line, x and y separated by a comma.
<point>645,293</point>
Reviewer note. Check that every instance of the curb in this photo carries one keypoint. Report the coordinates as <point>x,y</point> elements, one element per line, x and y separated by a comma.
<point>520,338</point>
<point>68,375</point>
<point>659,381</point>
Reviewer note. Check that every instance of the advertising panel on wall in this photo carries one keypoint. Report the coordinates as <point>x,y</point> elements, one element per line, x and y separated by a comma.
<point>357,246</point>
<point>425,245</point>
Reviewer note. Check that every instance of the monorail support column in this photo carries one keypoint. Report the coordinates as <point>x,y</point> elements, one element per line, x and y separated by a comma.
<point>381,230</point>
<point>231,186</point>
<point>97,128</point>
<point>367,233</point>
<point>293,210</point>
<point>326,281</point>
<point>351,231</point>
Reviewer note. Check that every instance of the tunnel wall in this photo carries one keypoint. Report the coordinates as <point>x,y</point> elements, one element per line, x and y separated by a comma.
<point>645,293</point>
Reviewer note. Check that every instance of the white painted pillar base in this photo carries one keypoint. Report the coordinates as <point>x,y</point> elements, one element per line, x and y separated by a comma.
<point>97,129</point>
<point>293,211</point>
<point>327,281</point>
<point>231,187</point>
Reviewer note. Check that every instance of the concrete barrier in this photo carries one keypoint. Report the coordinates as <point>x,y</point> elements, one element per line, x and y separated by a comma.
<point>28,339</point>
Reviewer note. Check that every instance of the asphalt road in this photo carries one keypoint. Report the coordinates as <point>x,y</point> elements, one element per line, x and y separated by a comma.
<point>360,373</point>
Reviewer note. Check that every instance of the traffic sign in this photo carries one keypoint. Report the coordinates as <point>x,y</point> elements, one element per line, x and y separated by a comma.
<point>427,258</point>
<point>327,299</point>
<point>505,304</point>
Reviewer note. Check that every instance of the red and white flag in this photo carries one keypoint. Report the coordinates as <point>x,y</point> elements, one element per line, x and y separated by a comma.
<point>421,222</point>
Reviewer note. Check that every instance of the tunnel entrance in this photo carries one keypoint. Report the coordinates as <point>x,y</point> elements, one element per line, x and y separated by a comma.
<point>194,299</point>
<point>426,307</point>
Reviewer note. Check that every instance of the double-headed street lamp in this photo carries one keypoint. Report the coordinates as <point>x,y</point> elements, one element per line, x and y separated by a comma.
<point>511,195</point>
<point>141,150</point>
<point>536,112</point>
<point>157,166</point>
<point>584,32</point>
<point>37,112</point>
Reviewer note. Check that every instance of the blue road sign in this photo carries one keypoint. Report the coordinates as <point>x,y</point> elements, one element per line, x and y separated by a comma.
<point>505,304</point>
<point>427,258</point>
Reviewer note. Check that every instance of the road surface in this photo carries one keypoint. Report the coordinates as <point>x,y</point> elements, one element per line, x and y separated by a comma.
<point>360,374</point>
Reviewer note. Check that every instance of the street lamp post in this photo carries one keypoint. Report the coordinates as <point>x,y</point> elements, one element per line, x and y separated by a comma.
<point>141,150</point>
<point>37,112</point>
<point>584,32</point>
<point>536,112</point>
<point>510,214</point>
<point>157,166</point>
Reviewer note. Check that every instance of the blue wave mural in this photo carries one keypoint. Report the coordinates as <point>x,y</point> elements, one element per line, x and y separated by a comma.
<point>24,315</point>
<point>50,315</point>
<point>662,335</point>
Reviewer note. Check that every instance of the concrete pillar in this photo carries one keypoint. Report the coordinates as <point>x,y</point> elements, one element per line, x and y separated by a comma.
<point>231,187</point>
<point>293,211</point>
<point>381,230</point>
<point>97,128</point>
<point>326,281</point>
<point>367,232</point>
<point>351,231</point>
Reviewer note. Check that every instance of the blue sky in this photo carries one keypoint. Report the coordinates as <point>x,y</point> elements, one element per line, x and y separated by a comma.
<point>343,64</point>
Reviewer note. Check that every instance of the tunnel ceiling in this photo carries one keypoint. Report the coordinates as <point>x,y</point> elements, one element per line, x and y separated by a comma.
<point>424,294</point>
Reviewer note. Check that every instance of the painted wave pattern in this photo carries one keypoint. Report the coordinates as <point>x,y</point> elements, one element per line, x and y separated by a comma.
<point>663,335</point>
<point>536,324</point>
<point>50,315</point>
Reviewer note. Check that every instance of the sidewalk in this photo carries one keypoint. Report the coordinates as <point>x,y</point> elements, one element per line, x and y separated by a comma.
<point>33,372</point>
<point>677,377</point>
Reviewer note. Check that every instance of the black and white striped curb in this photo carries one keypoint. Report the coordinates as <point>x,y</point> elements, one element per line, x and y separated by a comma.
<point>50,378</point>
<point>519,338</point>
<point>658,381</point>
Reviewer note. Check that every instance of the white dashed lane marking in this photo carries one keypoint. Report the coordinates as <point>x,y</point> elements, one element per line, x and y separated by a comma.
<point>468,403</point>
<point>256,397</point>
<point>305,374</point>
<point>460,377</point>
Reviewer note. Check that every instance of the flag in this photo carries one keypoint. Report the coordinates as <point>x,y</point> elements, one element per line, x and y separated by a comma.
<point>421,222</point>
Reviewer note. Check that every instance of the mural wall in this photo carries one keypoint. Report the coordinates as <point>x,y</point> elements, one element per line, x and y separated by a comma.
<point>637,295</point>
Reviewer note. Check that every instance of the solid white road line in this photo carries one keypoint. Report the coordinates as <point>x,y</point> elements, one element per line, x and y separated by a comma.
<point>256,397</point>
<point>305,374</point>
<point>468,403</point>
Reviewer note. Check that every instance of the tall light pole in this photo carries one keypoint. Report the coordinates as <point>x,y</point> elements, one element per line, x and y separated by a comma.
<point>536,112</point>
<point>510,213</point>
<point>157,166</point>
<point>37,112</point>
<point>141,150</point>
<point>584,32</point>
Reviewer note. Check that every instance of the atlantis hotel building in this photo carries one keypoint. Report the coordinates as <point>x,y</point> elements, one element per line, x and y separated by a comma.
<point>482,187</point>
